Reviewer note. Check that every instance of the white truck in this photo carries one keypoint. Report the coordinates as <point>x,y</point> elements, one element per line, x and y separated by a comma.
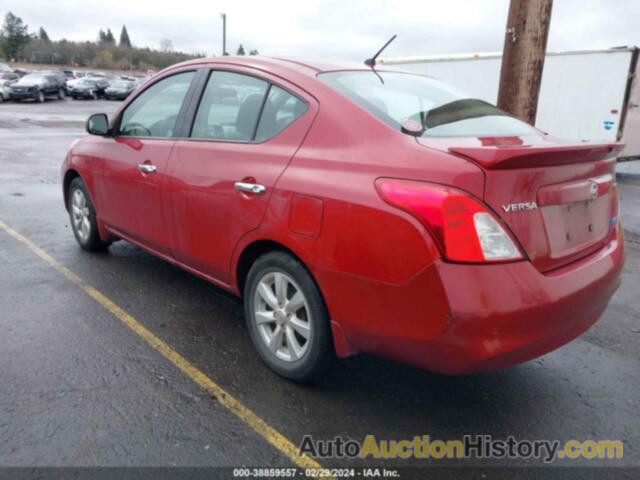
<point>585,95</point>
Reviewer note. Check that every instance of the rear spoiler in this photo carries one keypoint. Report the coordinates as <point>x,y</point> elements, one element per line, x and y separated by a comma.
<point>522,156</point>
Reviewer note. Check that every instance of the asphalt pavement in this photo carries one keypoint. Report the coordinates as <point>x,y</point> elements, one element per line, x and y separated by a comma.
<point>81,386</point>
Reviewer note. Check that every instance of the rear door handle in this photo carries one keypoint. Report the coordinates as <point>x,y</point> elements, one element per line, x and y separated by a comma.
<point>253,188</point>
<point>147,168</point>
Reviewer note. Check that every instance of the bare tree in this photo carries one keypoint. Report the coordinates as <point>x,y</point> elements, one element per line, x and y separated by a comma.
<point>166,45</point>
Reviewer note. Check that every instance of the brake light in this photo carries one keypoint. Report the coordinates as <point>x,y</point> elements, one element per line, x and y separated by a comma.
<point>464,229</point>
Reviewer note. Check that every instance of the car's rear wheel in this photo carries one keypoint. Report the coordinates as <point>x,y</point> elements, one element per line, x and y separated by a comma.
<point>287,318</point>
<point>94,95</point>
<point>40,97</point>
<point>83,217</point>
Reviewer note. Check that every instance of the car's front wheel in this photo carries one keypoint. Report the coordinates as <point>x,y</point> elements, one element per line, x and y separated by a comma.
<point>83,217</point>
<point>40,96</point>
<point>287,318</point>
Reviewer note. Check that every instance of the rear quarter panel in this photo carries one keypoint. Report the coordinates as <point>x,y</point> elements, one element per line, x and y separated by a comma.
<point>373,263</point>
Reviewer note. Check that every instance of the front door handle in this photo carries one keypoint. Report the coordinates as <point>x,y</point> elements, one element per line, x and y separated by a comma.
<point>147,168</point>
<point>253,188</point>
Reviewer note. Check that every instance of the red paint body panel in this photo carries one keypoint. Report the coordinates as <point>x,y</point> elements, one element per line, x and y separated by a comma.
<point>305,215</point>
<point>507,314</point>
<point>386,285</point>
<point>129,200</point>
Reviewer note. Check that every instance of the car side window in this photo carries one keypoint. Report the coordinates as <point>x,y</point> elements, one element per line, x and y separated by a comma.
<point>280,110</point>
<point>155,111</point>
<point>229,107</point>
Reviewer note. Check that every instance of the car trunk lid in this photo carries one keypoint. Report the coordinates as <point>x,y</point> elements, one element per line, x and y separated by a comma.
<point>556,197</point>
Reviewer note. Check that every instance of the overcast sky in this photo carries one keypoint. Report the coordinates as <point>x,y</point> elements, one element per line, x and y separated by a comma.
<point>329,28</point>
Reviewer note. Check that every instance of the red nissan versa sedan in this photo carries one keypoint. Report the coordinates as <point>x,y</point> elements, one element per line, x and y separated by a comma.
<point>356,211</point>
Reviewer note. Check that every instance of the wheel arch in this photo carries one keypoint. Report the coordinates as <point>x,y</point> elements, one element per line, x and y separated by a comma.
<point>66,182</point>
<point>255,250</point>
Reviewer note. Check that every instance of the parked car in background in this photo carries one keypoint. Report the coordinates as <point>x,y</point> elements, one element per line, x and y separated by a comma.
<point>70,74</point>
<point>37,87</point>
<point>58,75</point>
<point>6,80</point>
<point>357,210</point>
<point>9,77</point>
<point>5,68</point>
<point>119,89</point>
<point>5,90</point>
<point>89,88</point>
<point>140,81</point>
<point>21,72</point>
<point>71,81</point>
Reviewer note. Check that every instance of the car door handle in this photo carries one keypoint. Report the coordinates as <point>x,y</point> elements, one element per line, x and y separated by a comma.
<point>147,168</point>
<point>254,188</point>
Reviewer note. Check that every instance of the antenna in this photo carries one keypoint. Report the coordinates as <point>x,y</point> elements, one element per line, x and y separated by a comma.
<point>371,62</point>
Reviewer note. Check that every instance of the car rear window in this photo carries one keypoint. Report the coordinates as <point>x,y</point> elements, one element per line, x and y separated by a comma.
<point>423,106</point>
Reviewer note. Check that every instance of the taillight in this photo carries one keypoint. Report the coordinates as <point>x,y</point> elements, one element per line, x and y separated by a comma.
<point>464,229</point>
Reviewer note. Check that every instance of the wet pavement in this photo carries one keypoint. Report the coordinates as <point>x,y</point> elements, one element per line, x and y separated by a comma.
<point>78,388</point>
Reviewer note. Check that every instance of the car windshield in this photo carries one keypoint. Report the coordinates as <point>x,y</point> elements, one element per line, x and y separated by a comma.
<point>120,84</point>
<point>32,79</point>
<point>87,81</point>
<point>423,106</point>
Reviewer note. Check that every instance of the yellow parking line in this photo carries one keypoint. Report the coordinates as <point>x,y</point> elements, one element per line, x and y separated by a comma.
<point>270,434</point>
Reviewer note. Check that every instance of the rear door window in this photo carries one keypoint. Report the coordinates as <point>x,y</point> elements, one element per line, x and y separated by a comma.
<point>229,108</point>
<point>280,110</point>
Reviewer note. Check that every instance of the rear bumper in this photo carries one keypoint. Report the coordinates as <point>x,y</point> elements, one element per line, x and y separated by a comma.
<point>489,316</point>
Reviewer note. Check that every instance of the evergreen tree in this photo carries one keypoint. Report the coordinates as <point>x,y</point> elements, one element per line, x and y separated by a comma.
<point>42,35</point>
<point>124,38</point>
<point>15,35</point>
<point>109,38</point>
<point>253,52</point>
<point>240,50</point>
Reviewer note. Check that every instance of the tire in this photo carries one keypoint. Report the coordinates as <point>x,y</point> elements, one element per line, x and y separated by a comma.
<point>303,358</point>
<point>94,95</point>
<point>61,94</point>
<point>83,217</point>
<point>40,98</point>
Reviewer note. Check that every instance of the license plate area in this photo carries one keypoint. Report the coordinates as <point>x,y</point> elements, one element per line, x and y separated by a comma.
<point>572,227</point>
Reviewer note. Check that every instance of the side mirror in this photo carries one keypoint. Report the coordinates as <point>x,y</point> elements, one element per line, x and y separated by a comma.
<point>98,124</point>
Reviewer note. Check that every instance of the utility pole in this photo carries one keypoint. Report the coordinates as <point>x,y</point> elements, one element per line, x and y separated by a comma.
<point>525,45</point>
<point>224,33</point>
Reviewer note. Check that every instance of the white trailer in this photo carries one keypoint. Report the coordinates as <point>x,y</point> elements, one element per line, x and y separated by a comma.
<point>585,95</point>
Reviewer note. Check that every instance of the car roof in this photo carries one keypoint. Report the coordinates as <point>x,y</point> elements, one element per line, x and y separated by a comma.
<point>307,66</point>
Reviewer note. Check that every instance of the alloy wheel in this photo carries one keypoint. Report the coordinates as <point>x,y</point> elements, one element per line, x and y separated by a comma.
<point>282,316</point>
<point>80,215</point>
